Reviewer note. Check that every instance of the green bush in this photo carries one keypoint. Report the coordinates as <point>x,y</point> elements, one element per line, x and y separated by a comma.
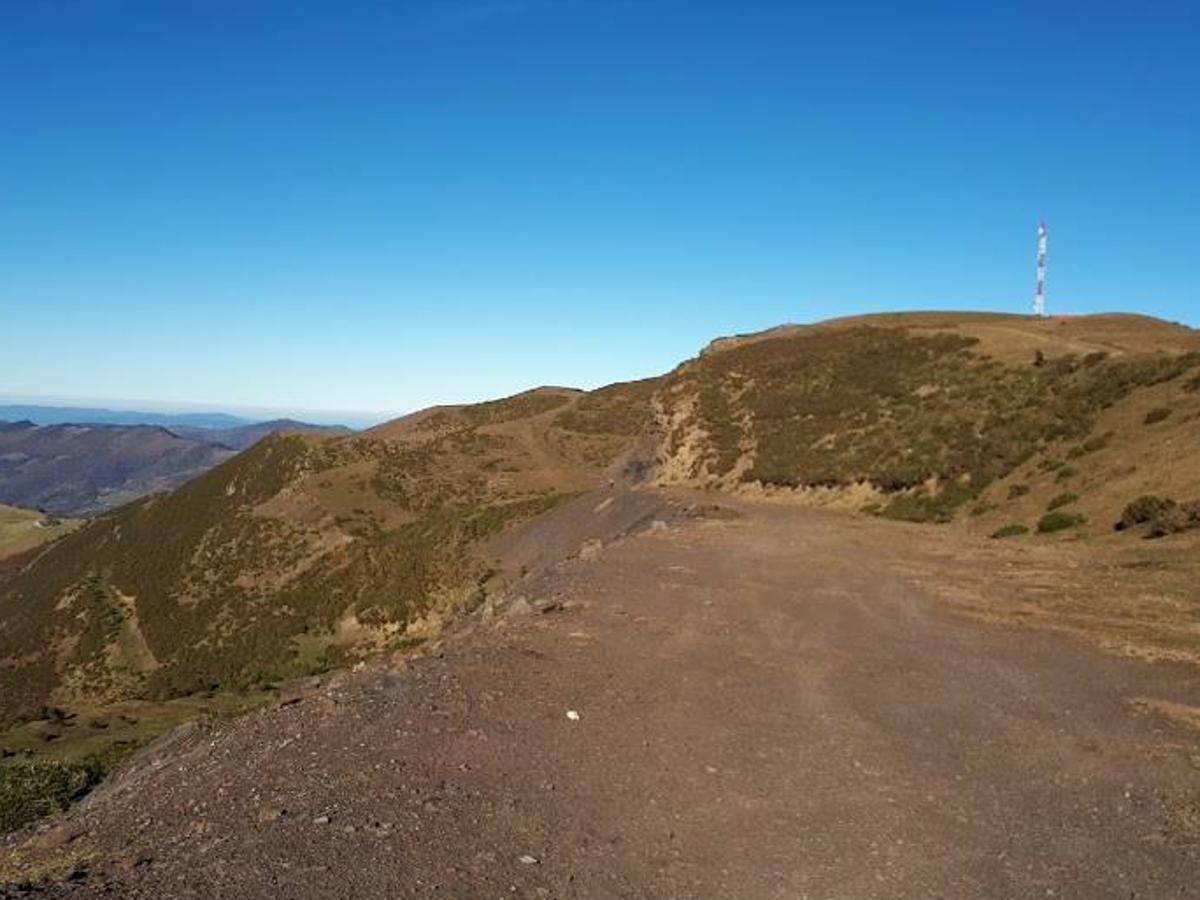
<point>1061,500</point>
<point>1010,530</point>
<point>1058,521</point>
<point>923,507</point>
<point>1064,473</point>
<point>1143,509</point>
<point>31,790</point>
<point>1175,518</point>
<point>1156,415</point>
<point>1091,445</point>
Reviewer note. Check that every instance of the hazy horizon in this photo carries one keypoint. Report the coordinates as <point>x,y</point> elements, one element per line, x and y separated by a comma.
<point>350,418</point>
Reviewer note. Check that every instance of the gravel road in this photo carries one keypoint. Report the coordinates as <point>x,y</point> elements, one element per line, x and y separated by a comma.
<point>750,706</point>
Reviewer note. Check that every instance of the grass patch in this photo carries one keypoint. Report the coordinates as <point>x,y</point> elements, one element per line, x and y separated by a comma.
<point>1012,530</point>
<point>922,506</point>
<point>24,529</point>
<point>1061,500</point>
<point>1059,521</point>
<point>30,790</point>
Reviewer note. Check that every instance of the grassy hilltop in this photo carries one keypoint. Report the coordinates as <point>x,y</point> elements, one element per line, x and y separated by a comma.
<point>924,416</point>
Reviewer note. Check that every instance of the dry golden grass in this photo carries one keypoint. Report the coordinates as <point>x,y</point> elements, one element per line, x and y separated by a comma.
<point>1130,597</point>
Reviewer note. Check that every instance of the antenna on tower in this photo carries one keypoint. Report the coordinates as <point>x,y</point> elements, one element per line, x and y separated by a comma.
<point>1039,296</point>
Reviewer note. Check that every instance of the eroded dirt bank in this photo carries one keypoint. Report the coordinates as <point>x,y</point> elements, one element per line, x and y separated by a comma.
<point>765,708</point>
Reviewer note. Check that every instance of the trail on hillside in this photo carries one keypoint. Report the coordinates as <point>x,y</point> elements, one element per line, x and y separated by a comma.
<point>748,703</point>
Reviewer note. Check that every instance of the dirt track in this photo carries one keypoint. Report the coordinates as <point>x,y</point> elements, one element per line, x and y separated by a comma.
<point>764,711</point>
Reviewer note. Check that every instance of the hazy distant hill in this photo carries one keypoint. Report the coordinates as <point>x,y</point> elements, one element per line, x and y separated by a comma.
<point>79,469</point>
<point>74,469</point>
<point>242,436</point>
<point>68,415</point>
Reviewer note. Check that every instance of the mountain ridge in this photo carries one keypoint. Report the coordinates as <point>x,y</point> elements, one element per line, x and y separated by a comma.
<point>309,551</point>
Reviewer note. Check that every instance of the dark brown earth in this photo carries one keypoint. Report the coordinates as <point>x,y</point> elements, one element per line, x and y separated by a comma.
<point>764,710</point>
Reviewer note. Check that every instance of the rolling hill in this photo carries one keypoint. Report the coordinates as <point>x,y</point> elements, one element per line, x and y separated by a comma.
<point>84,468</point>
<point>308,551</point>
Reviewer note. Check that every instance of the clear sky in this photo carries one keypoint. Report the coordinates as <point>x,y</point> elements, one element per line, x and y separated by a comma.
<point>375,206</point>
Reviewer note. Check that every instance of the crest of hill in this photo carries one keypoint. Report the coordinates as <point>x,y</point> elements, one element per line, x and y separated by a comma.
<point>918,414</point>
<point>1012,339</point>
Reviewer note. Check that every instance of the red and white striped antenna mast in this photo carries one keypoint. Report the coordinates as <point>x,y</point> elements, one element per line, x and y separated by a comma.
<point>1039,295</point>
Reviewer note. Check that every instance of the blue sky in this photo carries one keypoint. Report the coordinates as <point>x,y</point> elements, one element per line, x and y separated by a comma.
<point>377,206</point>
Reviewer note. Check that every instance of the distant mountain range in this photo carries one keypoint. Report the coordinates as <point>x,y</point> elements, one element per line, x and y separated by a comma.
<point>242,436</point>
<point>74,415</point>
<point>84,467</point>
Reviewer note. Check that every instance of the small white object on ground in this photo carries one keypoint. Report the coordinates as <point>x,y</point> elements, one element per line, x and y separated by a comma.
<point>528,860</point>
<point>572,715</point>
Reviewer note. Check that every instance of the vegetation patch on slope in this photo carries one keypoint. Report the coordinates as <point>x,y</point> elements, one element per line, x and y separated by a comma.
<point>920,415</point>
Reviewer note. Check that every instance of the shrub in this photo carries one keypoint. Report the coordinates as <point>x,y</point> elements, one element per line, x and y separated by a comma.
<point>1058,521</point>
<point>31,790</point>
<point>1192,385</point>
<point>1017,490</point>
<point>1176,518</point>
<point>1065,472</point>
<point>1156,415</point>
<point>1061,500</point>
<point>1091,445</point>
<point>1143,509</point>
<point>1010,530</point>
<point>922,507</point>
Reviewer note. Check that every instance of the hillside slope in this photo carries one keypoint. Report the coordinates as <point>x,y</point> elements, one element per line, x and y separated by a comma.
<point>307,551</point>
<point>300,553</point>
<point>916,416</point>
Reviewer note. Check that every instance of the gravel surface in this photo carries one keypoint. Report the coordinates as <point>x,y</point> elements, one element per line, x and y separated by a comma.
<point>750,705</point>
